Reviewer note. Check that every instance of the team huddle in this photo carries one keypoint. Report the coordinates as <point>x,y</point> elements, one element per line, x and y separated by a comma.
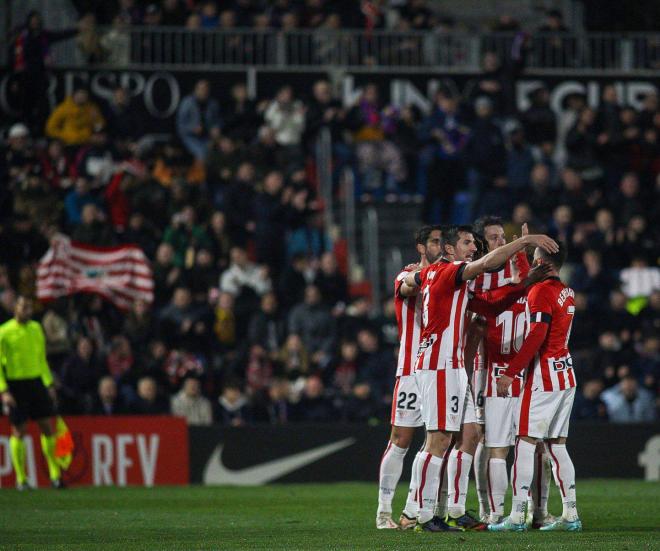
<point>483,365</point>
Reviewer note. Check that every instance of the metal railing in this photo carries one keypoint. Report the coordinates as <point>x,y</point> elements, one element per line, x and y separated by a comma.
<point>371,255</point>
<point>358,50</point>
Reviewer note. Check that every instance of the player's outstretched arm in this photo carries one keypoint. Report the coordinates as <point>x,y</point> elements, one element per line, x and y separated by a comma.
<point>493,303</point>
<point>530,347</point>
<point>500,255</point>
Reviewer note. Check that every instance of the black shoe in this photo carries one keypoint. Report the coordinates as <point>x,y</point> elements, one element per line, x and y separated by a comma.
<point>23,487</point>
<point>58,484</point>
<point>466,522</point>
<point>436,524</point>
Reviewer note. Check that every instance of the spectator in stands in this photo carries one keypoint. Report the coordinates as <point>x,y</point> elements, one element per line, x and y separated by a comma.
<point>592,279</point>
<point>314,406</point>
<point>314,323</point>
<point>125,121</point>
<point>117,42</point>
<point>243,273</point>
<point>73,121</point>
<point>628,403</point>
<point>520,161</point>
<point>177,319</point>
<point>93,228</point>
<point>266,326</point>
<point>148,400</point>
<point>445,136</point>
<point>582,145</point>
<point>107,400</point>
<point>286,117</point>
<point>56,167</point>
<point>78,379</point>
<point>588,404</point>
<point>139,325</point>
<point>190,404</point>
<point>30,57</point>
<point>167,275</point>
<point>485,154</point>
<point>198,119</point>
<point>640,279</point>
<point>241,115</point>
<point>539,121</point>
<point>294,358</point>
<point>323,111</point>
<point>186,237</point>
<point>239,204</point>
<point>372,127</point>
<point>331,283</point>
<point>232,408</point>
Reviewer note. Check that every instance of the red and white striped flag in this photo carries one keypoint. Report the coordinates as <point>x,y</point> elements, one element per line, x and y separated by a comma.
<point>119,274</point>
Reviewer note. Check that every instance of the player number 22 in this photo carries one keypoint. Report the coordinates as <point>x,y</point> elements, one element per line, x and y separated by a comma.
<point>411,397</point>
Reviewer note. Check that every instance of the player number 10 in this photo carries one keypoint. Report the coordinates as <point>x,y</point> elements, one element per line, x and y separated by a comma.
<point>512,333</point>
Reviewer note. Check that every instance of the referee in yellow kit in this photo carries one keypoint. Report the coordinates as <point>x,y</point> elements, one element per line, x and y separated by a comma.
<point>26,388</point>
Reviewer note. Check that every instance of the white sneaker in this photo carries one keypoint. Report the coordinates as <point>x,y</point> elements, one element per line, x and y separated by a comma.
<point>485,518</point>
<point>384,522</point>
<point>494,519</point>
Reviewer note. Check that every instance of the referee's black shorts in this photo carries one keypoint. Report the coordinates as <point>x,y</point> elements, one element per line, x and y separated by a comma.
<point>32,401</point>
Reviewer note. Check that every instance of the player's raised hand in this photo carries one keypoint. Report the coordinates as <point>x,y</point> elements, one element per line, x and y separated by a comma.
<point>503,384</point>
<point>546,243</point>
<point>525,230</point>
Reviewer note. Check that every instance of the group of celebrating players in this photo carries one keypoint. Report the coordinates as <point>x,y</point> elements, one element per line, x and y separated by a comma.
<point>483,365</point>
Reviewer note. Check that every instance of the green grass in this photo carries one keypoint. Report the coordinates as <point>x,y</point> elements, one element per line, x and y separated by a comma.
<point>617,514</point>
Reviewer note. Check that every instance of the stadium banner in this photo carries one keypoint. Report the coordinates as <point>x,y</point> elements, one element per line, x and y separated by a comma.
<point>109,451</point>
<point>252,456</point>
<point>158,92</point>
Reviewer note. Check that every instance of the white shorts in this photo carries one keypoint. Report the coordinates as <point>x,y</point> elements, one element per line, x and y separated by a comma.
<point>469,411</point>
<point>545,414</point>
<point>500,421</point>
<point>406,402</point>
<point>444,394</point>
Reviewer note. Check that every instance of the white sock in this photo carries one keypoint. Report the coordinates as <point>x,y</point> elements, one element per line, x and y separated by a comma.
<point>412,505</point>
<point>564,472</point>
<point>523,472</point>
<point>458,477</point>
<point>541,484</point>
<point>390,472</point>
<point>480,467</point>
<point>441,503</point>
<point>498,481</point>
<point>429,476</point>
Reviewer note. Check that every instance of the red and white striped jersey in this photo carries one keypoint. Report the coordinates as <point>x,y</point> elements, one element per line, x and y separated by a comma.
<point>504,337</point>
<point>504,333</point>
<point>444,301</point>
<point>492,280</point>
<point>409,320</point>
<point>551,302</point>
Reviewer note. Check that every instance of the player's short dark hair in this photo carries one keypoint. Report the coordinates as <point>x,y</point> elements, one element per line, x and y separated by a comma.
<point>482,223</point>
<point>422,234</point>
<point>452,234</point>
<point>556,259</point>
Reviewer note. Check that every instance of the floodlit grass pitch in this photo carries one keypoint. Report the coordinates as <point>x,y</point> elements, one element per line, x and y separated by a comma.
<point>617,514</point>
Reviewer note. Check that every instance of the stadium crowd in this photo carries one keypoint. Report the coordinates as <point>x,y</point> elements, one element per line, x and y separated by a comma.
<point>253,319</point>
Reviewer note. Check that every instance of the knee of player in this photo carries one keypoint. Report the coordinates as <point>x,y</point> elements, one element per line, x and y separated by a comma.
<point>402,437</point>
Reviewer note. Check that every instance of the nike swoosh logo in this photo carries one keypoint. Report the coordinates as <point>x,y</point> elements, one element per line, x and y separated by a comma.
<point>216,473</point>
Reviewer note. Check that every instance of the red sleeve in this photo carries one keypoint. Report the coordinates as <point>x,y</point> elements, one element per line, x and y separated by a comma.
<point>493,303</point>
<point>532,343</point>
<point>522,264</point>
